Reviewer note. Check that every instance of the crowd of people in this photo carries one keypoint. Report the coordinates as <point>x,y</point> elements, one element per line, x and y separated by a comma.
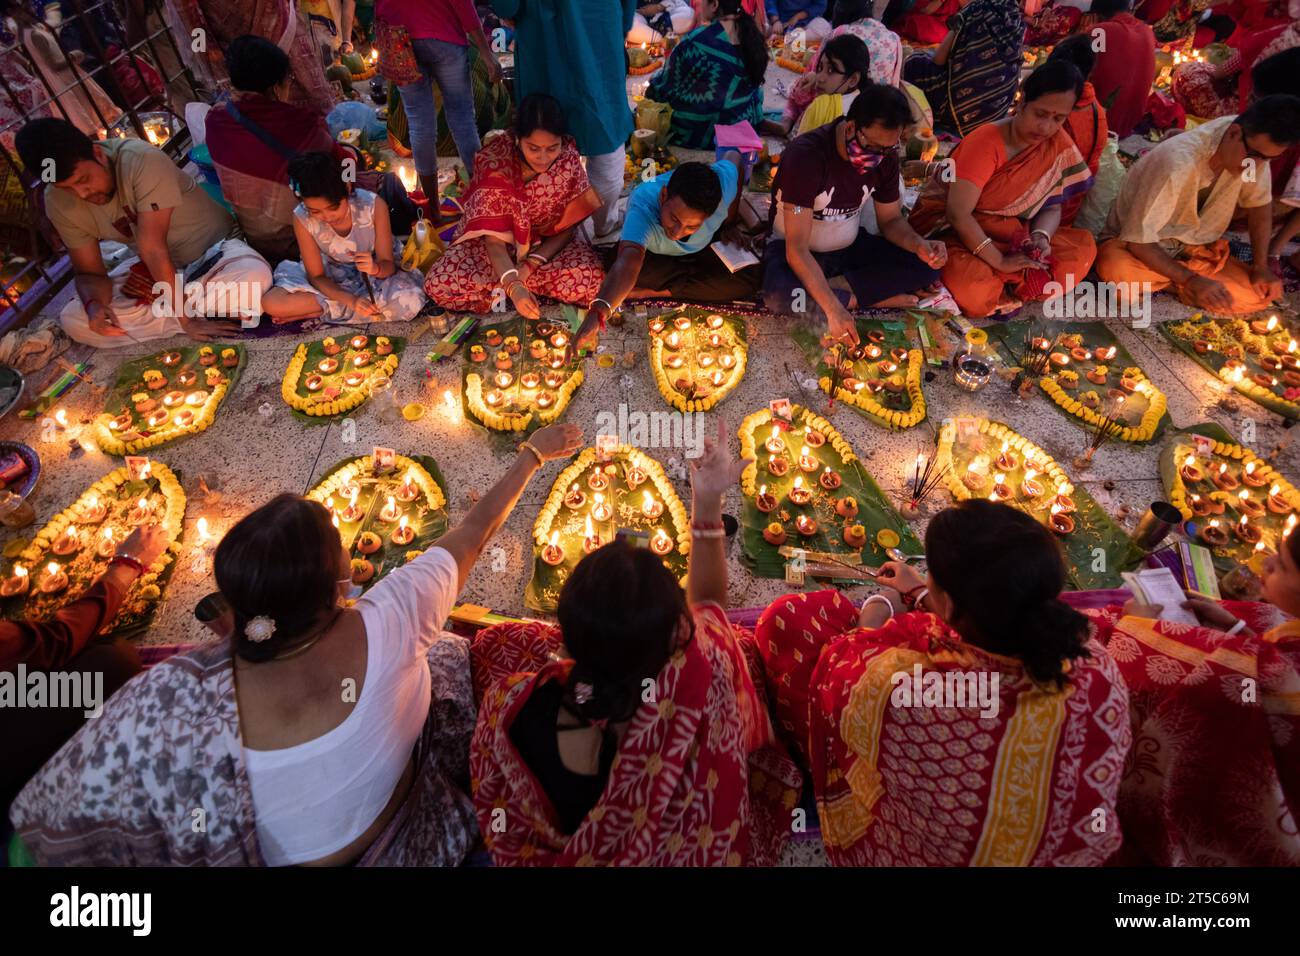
<point>644,727</point>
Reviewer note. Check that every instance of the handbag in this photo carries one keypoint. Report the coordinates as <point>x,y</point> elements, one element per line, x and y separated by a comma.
<point>396,56</point>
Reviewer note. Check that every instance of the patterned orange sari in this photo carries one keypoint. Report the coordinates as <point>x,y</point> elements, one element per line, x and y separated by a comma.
<point>1213,778</point>
<point>697,780</point>
<point>899,785</point>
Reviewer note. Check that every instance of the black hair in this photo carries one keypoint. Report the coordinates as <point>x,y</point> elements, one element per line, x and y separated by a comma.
<point>883,104</point>
<point>753,48</point>
<point>1276,116</point>
<point>619,613</point>
<point>852,54</point>
<point>280,561</point>
<point>1280,73</point>
<point>539,111</point>
<point>850,11</point>
<point>1076,49</point>
<point>1292,542</point>
<point>1004,573</point>
<point>1105,9</point>
<point>255,64</point>
<point>697,185</point>
<point>57,139</point>
<point>1054,76</point>
<point>317,175</point>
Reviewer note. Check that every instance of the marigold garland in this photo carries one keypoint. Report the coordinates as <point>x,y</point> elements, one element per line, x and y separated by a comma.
<point>349,399</point>
<point>1144,431</point>
<point>748,449</point>
<point>1270,475</point>
<point>517,421</point>
<point>998,432</point>
<point>865,399</point>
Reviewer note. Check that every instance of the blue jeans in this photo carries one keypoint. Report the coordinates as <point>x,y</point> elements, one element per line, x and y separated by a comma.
<point>875,268</point>
<point>446,64</point>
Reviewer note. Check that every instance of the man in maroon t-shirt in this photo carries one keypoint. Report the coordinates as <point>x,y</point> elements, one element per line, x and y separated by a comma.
<point>823,182</point>
<point>1126,64</point>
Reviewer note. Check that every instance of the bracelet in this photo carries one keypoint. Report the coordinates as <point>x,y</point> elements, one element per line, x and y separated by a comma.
<point>533,448</point>
<point>879,598</point>
<point>706,525</point>
<point>913,602</point>
<point>1042,232</point>
<point>537,257</point>
<point>707,532</point>
<point>513,283</point>
<point>131,562</point>
<point>608,308</point>
<point>1237,628</point>
<point>980,248</point>
<point>502,279</point>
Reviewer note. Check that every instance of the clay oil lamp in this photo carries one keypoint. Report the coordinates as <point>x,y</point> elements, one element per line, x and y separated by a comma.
<point>813,438</point>
<point>715,341</point>
<point>575,497</point>
<point>973,479</point>
<point>1007,460</point>
<point>1276,502</point>
<point>16,583</point>
<point>597,481</point>
<point>1213,534</point>
<point>829,479</point>
<point>600,508</point>
<point>1060,522</point>
<point>872,352</point>
<point>389,512</point>
<point>807,462</point>
<point>1001,490</point>
<point>1246,531</point>
<point>407,491</point>
<point>156,418</point>
<point>806,525</point>
<point>1200,506</point>
<point>717,378</point>
<point>775,443</point>
<point>1263,327</point>
<point>171,358</point>
<point>673,341</point>
<point>327,366</point>
<point>362,359</point>
<point>67,543</point>
<point>55,580</point>
<point>714,322</point>
<point>1063,502</point>
<point>1031,487</point>
<point>173,398</point>
<point>887,367</point>
<point>354,379</point>
<point>1080,354</point>
<point>727,361</point>
<point>590,540</point>
<point>1290,358</point>
<point>660,543</point>
<point>358,342</point>
<point>1059,359</point>
<point>530,380</point>
<point>503,379</point>
<point>675,361</point>
<point>545,400</point>
<point>352,512</point>
<point>765,501</point>
<point>195,399</point>
<point>656,326</point>
<point>1272,363</point>
<point>107,544</point>
<point>798,494</point>
<point>93,511</point>
<point>1224,479</point>
<point>553,379</point>
<point>403,534</point>
<point>1253,475</point>
<point>1248,505</point>
<point>140,512</point>
<point>652,507</point>
<point>1105,354</point>
<point>634,477</point>
<point>777,466</point>
<point>704,361</point>
<point>184,418</point>
<point>899,355</point>
<point>1191,472</point>
<point>552,553</point>
<point>1041,344</point>
<point>681,323</point>
<point>493,397</point>
<point>121,423</point>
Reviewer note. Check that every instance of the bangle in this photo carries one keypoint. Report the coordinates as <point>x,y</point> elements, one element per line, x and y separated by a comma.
<point>980,248</point>
<point>513,282</point>
<point>1042,232</point>
<point>706,525</point>
<point>707,532</point>
<point>131,562</point>
<point>1237,628</point>
<point>502,279</point>
<point>913,602</point>
<point>537,257</point>
<point>533,448</point>
<point>879,598</point>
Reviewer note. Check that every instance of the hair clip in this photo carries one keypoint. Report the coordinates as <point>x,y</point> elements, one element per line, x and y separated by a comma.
<point>259,629</point>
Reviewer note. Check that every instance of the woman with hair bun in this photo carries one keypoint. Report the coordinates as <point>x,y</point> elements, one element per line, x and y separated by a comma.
<point>965,718</point>
<point>632,734</point>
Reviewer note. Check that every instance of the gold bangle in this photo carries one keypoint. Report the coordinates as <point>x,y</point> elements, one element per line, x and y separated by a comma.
<point>980,248</point>
<point>533,448</point>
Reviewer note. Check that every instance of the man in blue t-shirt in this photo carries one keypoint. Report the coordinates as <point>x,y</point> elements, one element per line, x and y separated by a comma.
<point>666,251</point>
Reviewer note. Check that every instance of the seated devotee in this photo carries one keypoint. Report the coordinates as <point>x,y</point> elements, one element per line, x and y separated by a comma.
<point>1215,719</point>
<point>1086,124</point>
<point>1173,21</point>
<point>883,705</point>
<point>1210,90</point>
<point>971,78</point>
<point>806,15</point>
<point>714,76</point>
<point>282,767</point>
<point>927,22</point>
<point>666,249</point>
<point>66,644</point>
<point>348,271</point>
<point>251,139</point>
<point>654,21</point>
<point>131,192</point>
<point>1001,215</point>
<point>1166,227</point>
<point>1126,64</point>
<point>528,194</point>
<point>1280,73</point>
<point>632,734</point>
<point>825,179</point>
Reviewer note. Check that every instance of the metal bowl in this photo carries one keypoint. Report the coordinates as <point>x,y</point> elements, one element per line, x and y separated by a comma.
<point>11,388</point>
<point>27,454</point>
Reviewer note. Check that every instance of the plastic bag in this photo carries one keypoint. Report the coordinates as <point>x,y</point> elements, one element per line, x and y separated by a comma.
<point>1105,187</point>
<point>651,114</point>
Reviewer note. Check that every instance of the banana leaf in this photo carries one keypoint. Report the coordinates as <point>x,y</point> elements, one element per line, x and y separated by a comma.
<point>316,352</point>
<point>1184,336</point>
<point>888,336</point>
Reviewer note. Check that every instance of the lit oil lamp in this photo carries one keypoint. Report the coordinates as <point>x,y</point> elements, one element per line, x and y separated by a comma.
<point>530,380</point>
<point>107,544</point>
<point>157,417</point>
<point>813,438</point>
<point>1225,479</point>
<point>777,466</point>
<point>1253,476</point>
<point>635,476</point>
<point>673,341</point>
<point>765,500</point>
<point>798,494</point>
<point>171,358</point>
<point>806,461</point>
<point>1001,490</point>
<point>1200,506</point>
<point>590,539</point>
<point>1263,327</point>
<point>1063,502</point>
<point>681,323</point>
<point>493,397</point>
<point>173,398</point>
<point>93,511</point>
<point>1059,359</point>
<point>1191,472</point>
<point>503,379</point>
<point>16,583</point>
<point>1059,521</point>
<point>184,418</point>
<point>705,361</point>
<point>973,479</point>
<point>600,508</point>
<point>717,378</point>
<point>1007,460</point>
<point>553,379</point>
<point>552,553</point>
<point>597,481</point>
<point>557,361</point>
<point>1105,354</point>
<point>67,543</point>
<point>715,340</point>
<point>352,512</point>
<point>656,326</point>
<point>887,367</point>
<point>1248,505</point>
<point>55,580</point>
<point>830,480</point>
<point>195,399</point>
<point>327,366</point>
<point>1246,531</point>
<point>361,359</point>
<point>1031,487</point>
<point>121,423</point>
<point>1276,502</point>
<point>1213,534</point>
<point>1291,360</point>
<point>389,511</point>
<point>660,543</point>
<point>403,534</point>
<point>574,498</point>
<point>140,512</point>
<point>358,342</point>
<point>715,321</point>
<point>651,507</point>
<point>675,361</point>
<point>806,525</point>
<point>545,400</point>
<point>559,340</point>
<point>727,361</point>
<point>1041,344</point>
<point>872,352</point>
<point>354,379</point>
<point>407,490</point>
<point>1080,354</point>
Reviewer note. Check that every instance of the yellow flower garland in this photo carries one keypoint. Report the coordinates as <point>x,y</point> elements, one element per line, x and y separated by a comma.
<point>637,458</point>
<point>866,401</point>
<point>1143,431</point>
<point>173,517</point>
<point>748,449</point>
<point>365,466</point>
<point>998,432</point>
<point>1178,492</point>
<point>676,398</point>
<point>348,400</point>
<point>517,421</point>
<point>113,444</point>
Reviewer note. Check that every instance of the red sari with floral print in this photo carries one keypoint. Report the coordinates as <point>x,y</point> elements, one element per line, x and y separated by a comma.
<point>501,205</point>
<point>1213,778</point>
<point>1035,784</point>
<point>697,780</point>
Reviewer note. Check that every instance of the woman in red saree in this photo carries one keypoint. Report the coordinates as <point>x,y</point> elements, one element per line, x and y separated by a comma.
<point>633,734</point>
<point>983,727</point>
<point>1000,216</point>
<point>1214,775</point>
<point>528,194</point>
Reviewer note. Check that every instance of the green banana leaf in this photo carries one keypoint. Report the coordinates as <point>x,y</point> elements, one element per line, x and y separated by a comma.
<point>895,336</point>
<point>1213,360</point>
<point>316,352</point>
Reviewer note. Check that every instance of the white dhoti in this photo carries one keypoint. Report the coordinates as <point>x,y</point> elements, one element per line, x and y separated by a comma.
<point>232,288</point>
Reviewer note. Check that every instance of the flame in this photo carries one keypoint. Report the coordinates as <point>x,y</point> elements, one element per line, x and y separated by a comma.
<point>762,490</point>
<point>999,478</point>
<point>52,567</point>
<point>803,452</point>
<point>403,522</point>
<point>588,530</point>
<point>203,530</point>
<point>798,482</point>
<point>20,571</point>
<point>62,418</point>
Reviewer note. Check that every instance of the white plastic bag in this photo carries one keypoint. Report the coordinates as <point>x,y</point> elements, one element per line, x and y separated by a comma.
<point>1105,187</point>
